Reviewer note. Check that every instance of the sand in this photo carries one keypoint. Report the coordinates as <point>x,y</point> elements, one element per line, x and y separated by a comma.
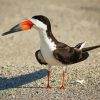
<point>73,21</point>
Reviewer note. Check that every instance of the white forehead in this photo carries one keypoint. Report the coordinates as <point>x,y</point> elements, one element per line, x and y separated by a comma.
<point>38,24</point>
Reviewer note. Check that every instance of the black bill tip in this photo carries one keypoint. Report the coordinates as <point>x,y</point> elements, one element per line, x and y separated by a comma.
<point>6,33</point>
<point>13,30</point>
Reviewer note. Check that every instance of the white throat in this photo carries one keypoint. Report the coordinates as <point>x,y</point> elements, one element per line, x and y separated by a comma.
<point>46,42</point>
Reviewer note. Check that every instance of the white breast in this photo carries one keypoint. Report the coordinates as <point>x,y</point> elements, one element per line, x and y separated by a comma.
<point>47,47</point>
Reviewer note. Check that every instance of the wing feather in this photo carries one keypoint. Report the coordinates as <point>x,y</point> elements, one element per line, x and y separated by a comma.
<point>40,58</point>
<point>66,55</point>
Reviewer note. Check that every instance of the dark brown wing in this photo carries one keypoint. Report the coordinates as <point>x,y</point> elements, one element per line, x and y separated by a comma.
<point>67,55</point>
<point>40,58</point>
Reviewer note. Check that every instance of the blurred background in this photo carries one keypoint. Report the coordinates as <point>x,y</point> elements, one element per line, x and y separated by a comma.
<point>73,21</point>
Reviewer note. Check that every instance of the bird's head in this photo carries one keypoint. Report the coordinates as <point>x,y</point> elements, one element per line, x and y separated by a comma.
<point>38,22</point>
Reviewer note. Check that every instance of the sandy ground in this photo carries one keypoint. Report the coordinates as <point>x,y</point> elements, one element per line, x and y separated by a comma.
<point>73,21</point>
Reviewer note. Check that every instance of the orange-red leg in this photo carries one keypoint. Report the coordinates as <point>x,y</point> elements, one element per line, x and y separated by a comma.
<point>48,85</point>
<point>63,80</point>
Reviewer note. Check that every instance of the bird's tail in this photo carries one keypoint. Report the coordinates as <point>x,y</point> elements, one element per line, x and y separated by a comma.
<point>90,48</point>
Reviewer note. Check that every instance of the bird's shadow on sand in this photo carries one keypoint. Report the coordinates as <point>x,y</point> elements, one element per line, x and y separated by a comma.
<point>16,82</point>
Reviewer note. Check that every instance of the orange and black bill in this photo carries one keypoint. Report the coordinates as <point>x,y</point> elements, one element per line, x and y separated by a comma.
<point>26,25</point>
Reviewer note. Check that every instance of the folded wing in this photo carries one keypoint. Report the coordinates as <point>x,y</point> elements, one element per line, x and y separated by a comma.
<point>40,58</point>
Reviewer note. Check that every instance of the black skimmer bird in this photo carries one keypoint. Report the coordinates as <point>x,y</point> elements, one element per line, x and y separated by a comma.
<point>52,52</point>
